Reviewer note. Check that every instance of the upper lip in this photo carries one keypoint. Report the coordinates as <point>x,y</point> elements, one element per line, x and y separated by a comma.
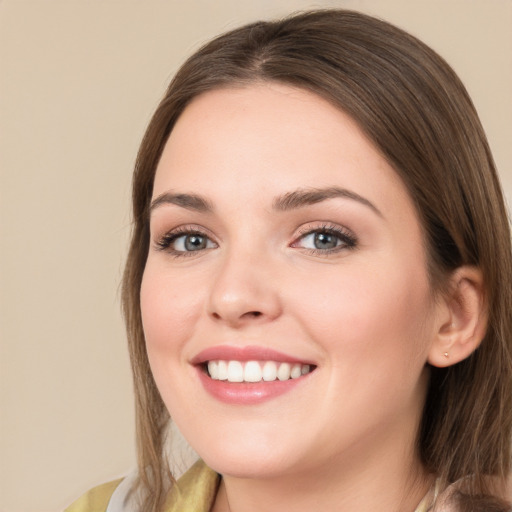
<point>247,353</point>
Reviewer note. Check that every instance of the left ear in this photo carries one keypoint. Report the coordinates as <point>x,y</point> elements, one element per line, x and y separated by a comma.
<point>462,319</point>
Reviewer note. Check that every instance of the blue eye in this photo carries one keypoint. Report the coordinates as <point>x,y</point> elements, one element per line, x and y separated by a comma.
<point>321,240</point>
<point>180,243</point>
<point>191,242</point>
<point>326,240</point>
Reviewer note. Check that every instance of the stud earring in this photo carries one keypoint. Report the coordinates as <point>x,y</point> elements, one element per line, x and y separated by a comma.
<point>446,355</point>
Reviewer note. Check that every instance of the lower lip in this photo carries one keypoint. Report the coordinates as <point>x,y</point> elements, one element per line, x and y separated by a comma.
<point>247,393</point>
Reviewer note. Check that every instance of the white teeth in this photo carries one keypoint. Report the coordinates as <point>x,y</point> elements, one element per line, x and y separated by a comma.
<point>283,372</point>
<point>213,369</point>
<point>296,371</point>
<point>235,371</point>
<point>252,371</point>
<point>269,371</point>
<point>222,369</point>
<point>256,371</point>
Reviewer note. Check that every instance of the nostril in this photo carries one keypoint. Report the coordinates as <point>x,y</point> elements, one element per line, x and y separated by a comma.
<point>236,317</point>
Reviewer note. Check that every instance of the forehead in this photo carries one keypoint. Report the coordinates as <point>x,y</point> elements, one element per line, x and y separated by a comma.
<point>270,138</point>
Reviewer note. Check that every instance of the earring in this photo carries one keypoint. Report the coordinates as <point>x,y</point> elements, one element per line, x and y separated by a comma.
<point>446,355</point>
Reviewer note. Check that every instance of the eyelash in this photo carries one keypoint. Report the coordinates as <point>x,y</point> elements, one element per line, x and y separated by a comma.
<point>166,241</point>
<point>346,238</point>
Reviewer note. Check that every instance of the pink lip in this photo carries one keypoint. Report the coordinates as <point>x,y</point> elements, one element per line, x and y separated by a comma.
<point>245,393</point>
<point>248,353</point>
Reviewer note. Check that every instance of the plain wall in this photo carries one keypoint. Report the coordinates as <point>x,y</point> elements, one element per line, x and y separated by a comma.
<point>78,83</point>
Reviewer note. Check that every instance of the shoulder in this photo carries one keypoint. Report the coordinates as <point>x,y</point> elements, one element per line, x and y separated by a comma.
<point>459,497</point>
<point>95,500</point>
<point>195,490</point>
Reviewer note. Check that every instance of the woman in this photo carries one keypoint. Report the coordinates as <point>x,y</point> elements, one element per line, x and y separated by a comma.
<point>318,284</point>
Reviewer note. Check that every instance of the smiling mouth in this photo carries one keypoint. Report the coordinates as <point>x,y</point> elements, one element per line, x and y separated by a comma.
<point>255,371</point>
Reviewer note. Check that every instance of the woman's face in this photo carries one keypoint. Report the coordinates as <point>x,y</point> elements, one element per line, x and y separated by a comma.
<point>284,246</point>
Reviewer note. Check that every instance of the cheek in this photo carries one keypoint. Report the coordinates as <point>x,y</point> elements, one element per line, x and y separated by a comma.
<point>364,314</point>
<point>374,334</point>
<point>169,311</point>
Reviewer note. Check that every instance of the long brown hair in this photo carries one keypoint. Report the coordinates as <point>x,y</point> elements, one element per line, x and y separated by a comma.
<point>415,110</point>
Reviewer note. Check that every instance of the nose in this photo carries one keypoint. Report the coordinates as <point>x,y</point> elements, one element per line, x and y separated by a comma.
<point>244,291</point>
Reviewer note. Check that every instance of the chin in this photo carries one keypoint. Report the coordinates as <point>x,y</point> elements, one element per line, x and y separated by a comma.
<point>247,460</point>
<point>246,466</point>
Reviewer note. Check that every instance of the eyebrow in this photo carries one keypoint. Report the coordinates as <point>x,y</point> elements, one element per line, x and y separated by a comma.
<point>296,199</point>
<point>306,197</point>
<point>188,201</point>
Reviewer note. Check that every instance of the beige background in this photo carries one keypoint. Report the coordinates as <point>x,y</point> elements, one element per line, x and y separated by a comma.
<point>78,82</point>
